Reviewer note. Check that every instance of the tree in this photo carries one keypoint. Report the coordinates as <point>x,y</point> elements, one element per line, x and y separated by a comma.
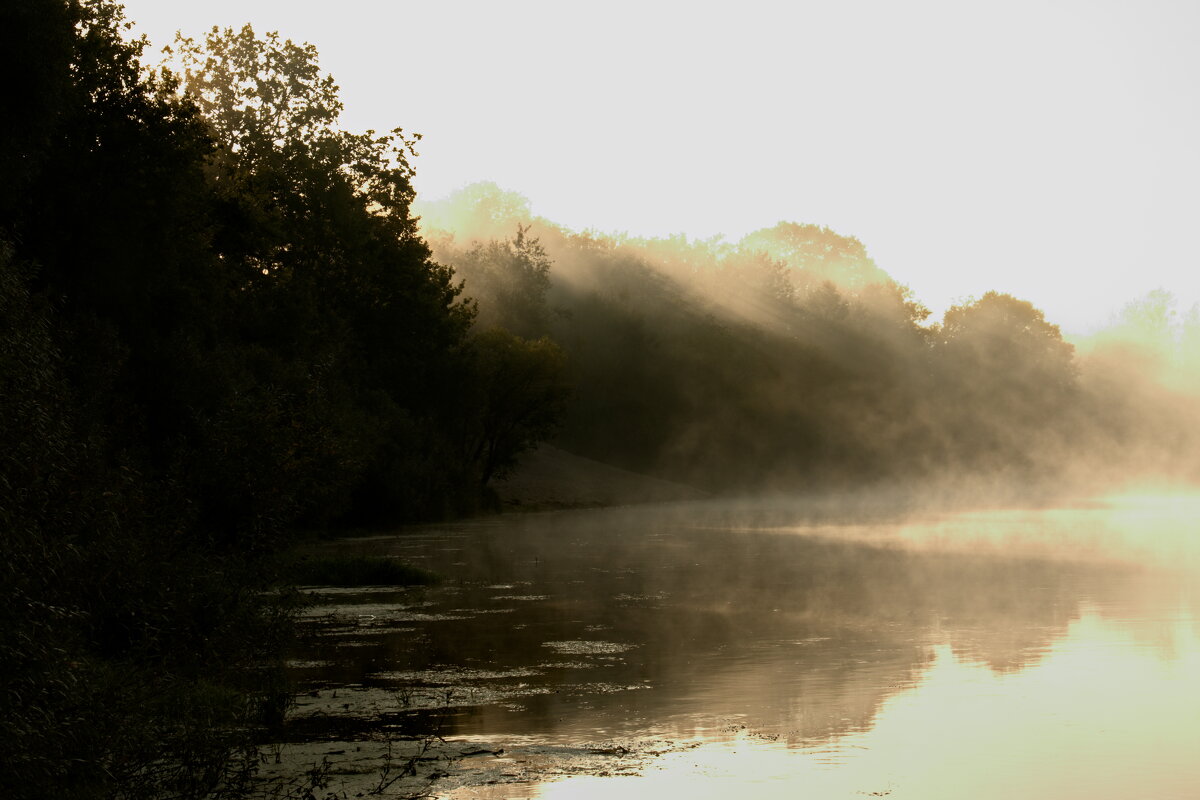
<point>268,101</point>
<point>340,289</point>
<point>1145,333</point>
<point>1010,339</point>
<point>757,279</point>
<point>36,46</point>
<point>817,254</point>
<point>509,279</point>
<point>1008,384</point>
<point>479,211</point>
<point>131,627</point>
<point>519,398</point>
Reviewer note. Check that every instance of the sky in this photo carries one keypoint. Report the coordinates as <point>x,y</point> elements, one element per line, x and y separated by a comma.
<point>1047,149</point>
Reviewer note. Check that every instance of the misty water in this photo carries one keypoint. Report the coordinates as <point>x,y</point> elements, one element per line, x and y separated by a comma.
<point>774,650</point>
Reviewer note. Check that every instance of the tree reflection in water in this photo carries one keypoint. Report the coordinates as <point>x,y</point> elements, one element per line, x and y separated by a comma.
<point>851,650</point>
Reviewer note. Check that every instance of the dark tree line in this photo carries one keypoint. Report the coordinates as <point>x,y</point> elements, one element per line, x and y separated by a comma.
<point>219,325</point>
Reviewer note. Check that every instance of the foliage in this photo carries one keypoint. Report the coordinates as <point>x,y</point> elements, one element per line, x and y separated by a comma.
<point>817,254</point>
<point>218,323</point>
<point>480,211</point>
<point>517,399</point>
<point>789,358</point>
<point>122,644</point>
<point>342,293</point>
<point>509,279</point>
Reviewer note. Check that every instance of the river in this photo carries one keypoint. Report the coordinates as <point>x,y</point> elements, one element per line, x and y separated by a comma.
<point>767,650</point>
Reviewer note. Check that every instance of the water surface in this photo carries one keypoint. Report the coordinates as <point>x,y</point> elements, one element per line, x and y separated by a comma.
<point>706,649</point>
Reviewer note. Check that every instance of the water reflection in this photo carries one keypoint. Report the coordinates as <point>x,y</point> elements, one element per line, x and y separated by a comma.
<point>1096,718</point>
<point>891,659</point>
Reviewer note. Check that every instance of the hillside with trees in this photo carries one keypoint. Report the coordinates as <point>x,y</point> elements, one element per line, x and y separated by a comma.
<point>790,361</point>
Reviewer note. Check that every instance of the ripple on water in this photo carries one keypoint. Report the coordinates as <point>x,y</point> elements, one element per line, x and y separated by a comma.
<point>297,663</point>
<point>641,598</point>
<point>583,648</point>
<point>389,612</point>
<point>455,675</point>
<point>317,589</point>
<point>571,665</point>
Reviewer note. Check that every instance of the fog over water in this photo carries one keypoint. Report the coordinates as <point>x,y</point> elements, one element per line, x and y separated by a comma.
<point>1044,653</point>
<point>792,359</point>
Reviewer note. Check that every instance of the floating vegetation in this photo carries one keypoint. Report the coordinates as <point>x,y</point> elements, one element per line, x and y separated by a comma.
<point>455,675</point>
<point>369,612</point>
<point>579,648</point>
<point>571,665</point>
<point>297,663</point>
<point>353,591</point>
<point>481,611</point>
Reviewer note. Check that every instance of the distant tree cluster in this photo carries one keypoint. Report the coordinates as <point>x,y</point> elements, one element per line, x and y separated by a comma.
<point>790,360</point>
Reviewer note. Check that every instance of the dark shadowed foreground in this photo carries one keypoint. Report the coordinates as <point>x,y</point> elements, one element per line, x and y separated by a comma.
<point>702,649</point>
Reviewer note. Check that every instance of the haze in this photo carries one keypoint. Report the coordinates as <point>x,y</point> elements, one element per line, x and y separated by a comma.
<point>1044,150</point>
<point>314,486</point>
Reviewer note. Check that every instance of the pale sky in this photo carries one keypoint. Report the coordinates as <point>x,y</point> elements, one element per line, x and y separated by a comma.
<point>1046,149</point>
